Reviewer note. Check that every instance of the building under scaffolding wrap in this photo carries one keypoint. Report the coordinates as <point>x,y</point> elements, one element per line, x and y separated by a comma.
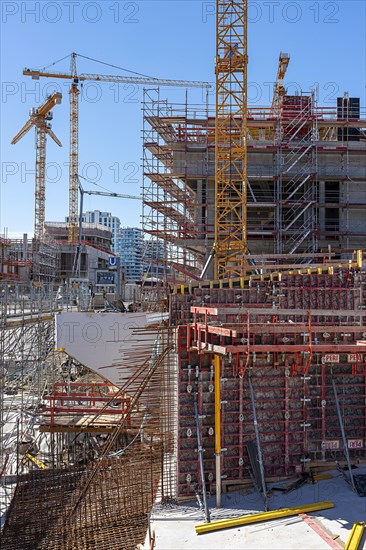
<point>306,180</point>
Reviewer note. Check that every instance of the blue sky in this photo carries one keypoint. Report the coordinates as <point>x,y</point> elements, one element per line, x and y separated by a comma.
<point>167,39</point>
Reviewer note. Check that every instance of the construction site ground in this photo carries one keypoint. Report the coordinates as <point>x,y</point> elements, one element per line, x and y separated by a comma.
<point>174,525</point>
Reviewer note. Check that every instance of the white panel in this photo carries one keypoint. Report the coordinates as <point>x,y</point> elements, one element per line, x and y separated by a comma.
<point>106,342</point>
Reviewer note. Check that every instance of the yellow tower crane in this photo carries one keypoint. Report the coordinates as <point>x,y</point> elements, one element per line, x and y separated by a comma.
<point>230,241</point>
<point>39,118</point>
<point>279,90</point>
<point>74,124</point>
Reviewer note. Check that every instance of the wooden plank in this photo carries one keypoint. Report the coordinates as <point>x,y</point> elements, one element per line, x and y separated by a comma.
<point>319,531</point>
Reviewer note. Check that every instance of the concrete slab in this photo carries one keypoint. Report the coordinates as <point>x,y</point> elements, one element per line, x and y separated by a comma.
<point>181,534</point>
<point>174,525</point>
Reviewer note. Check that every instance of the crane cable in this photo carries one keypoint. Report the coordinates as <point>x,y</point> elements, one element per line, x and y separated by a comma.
<point>98,61</point>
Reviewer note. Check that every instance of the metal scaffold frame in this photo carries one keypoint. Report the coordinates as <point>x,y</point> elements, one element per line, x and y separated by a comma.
<point>73,442</point>
<point>27,369</point>
<point>304,179</point>
<point>296,183</point>
<point>170,218</point>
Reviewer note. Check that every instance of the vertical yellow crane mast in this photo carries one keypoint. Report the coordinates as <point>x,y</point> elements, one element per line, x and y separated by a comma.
<point>230,246</point>
<point>279,90</point>
<point>39,118</point>
<point>74,155</point>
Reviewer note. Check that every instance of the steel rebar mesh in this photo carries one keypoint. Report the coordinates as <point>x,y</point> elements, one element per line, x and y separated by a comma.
<point>112,514</point>
<point>78,502</point>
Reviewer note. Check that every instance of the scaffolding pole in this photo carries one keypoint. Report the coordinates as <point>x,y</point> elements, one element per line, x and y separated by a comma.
<point>344,439</point>
<point>259,448</point>
<point>202,471</point>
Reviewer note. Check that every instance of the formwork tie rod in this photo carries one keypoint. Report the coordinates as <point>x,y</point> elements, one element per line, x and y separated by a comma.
<point>202,471</point>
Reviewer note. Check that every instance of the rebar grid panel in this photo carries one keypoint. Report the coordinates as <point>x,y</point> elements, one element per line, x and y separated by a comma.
<point>114,510</point>
<point>300,330</point>
<point>231,138</point>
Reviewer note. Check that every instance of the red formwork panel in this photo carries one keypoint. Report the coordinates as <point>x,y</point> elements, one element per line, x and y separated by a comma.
<point>296,416</point>
<point>294,397</point>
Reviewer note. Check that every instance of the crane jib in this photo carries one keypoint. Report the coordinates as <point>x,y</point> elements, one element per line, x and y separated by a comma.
<point>116,78</point>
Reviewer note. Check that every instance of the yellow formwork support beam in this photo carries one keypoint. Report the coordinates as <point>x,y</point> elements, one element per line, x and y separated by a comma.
<point>359,258</point>
<point>202,528</point>
<point>355,537</point>
<point>217,385</point>
<point>36,461</point>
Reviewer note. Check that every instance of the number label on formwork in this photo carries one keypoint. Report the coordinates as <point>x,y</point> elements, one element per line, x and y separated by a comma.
<point>355,443</point>
<point>352,357</point>
<point>333,444</point>
<point>330,358</point>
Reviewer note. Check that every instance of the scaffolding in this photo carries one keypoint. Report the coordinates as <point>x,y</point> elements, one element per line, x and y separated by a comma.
<point>75,450</point>
<point>297,186</point>
<point>29,259</point>
<point>28,365</point>
<point>174,213</point>
<point>304,190</point>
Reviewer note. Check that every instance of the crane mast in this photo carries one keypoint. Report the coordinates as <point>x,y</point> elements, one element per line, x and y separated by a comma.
<point>74,120</point>
<point>279,90</point>
<point>40,191</point>
<point>74,163</point>
<point>230,244</point>
<point>38,119</point>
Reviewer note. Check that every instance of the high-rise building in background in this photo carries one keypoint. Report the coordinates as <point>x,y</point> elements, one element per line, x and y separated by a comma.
<point>127,242</point>
<point>129,249</point>
<point>105,218</point>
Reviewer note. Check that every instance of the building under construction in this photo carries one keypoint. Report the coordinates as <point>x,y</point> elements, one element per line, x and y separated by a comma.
<point>29,259</point>
<point>306,180</point>
<point>288,323</point>
<point>244,357</point>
